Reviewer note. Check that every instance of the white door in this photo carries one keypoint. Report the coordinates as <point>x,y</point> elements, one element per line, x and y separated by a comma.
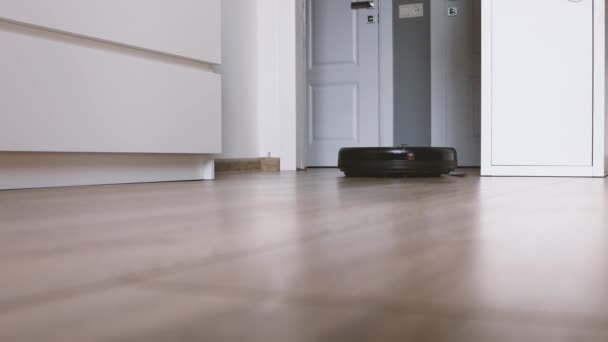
<point>463,79</point>
<point>342,78</point>
<point>542,77</point>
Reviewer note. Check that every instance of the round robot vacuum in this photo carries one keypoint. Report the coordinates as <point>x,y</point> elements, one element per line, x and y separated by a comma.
<point>402,161</point>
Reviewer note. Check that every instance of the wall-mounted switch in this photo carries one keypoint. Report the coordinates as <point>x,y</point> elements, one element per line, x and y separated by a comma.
<point>411,11</point>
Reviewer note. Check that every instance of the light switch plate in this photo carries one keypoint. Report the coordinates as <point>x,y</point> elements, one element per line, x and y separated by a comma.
<point>411,11</point>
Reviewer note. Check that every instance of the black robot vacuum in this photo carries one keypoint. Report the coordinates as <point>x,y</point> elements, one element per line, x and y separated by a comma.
<point>404,161</point>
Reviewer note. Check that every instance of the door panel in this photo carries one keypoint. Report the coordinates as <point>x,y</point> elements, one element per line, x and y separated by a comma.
<point>335,112</point>
<point>542,78</point>
<point>342,79</point>
<point>334,33</point>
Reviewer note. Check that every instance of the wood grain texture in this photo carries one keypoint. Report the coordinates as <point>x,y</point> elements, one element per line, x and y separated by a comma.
<point>308,256</point>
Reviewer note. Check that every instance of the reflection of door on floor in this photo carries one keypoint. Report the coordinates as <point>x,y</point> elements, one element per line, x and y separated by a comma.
<point>342,77</point>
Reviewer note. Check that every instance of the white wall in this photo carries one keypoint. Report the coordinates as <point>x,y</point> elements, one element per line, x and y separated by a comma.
<point>259,72</point>
<point>288,89</point>
<point>277,85</point>
<point>268,124</point>
<point>240,79</point>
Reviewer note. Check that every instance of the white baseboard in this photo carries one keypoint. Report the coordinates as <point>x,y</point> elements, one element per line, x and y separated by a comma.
<point>41,170</point>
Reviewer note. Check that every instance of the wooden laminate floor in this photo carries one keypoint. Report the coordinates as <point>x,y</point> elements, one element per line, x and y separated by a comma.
<point>307,257</point>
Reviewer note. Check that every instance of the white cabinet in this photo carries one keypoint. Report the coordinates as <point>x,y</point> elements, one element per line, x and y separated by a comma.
<point>112,76</point>
<point>108,91</point>
<point>543,103</point>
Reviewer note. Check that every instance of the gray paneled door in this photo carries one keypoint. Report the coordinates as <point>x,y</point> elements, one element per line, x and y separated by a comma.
<point>342,79</point>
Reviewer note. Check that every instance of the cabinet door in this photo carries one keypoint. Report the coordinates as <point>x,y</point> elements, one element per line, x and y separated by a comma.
<point>542,82</point>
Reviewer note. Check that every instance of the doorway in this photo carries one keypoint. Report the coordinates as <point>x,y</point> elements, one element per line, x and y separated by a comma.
<point>433,73</point>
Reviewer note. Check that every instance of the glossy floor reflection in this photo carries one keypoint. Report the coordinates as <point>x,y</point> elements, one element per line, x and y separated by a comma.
<point>307,257</point>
